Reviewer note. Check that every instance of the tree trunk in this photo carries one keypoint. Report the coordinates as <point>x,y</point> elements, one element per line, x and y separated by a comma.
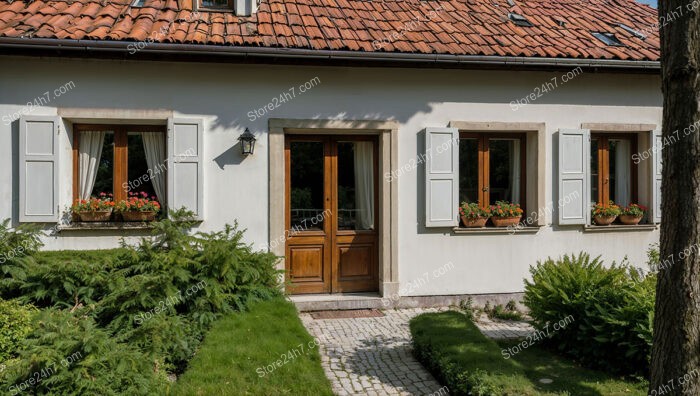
<point>675,363</point>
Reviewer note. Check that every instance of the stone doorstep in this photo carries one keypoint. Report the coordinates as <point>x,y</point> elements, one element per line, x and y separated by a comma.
<point>349,301</point>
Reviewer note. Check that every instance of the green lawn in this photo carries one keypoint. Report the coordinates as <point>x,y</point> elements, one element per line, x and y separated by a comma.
<point>461,357</point>
<point>264,351</point>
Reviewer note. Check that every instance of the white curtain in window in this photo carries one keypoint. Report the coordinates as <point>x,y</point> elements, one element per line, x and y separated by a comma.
<point>89,153</point>
<point>364,185</point>
<point>622,172</point>
<point>514,156</point>
<point>154,148</point>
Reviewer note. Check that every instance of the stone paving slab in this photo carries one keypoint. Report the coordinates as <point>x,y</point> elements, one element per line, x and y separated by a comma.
<point>372,356</point>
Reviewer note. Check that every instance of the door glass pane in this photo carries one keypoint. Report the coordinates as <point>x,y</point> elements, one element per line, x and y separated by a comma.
<point>620,171</point>
<point>468,170</point>
<point>504,170</point>
<point>105,171</point>
<point>356,186</point>
<point>306,182</point>
<point>594,171</point>
<point>141,176</point>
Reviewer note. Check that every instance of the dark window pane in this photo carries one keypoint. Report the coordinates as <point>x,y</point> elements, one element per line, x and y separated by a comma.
<point>504,170</point>
<point>105,172</point>
<point>594,170</point>
<point>306,168</point>
<point>140,175</point>
<point>620,171</point>
<point>468,170</point>
<point>355,185</point>
<point>215,3</point>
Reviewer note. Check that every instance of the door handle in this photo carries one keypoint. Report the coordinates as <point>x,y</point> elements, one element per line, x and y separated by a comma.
<point>485,189</point>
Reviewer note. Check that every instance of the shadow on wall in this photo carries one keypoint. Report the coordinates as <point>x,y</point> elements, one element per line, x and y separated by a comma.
<point>232,94</point>
<point>420,170</point>
<point>232,156</point>
<point>235,92</point>
<point>14,131</point>
<point>398,94</point>
<point>554,177</point>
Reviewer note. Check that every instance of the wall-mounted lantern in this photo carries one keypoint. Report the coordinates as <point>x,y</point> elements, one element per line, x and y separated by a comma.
<point>247,140</point>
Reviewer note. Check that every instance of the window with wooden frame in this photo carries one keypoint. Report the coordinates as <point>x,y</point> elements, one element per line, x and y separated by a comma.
<point>492,168</point>
<point>613,171</point>
<point>217,5</point>
<point>118,160</point>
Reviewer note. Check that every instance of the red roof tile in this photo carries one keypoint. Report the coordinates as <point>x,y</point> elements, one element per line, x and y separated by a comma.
<point>463,27</point>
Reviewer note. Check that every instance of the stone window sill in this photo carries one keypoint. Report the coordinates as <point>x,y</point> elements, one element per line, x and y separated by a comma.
<point>105,226</point>
<point>496,230</point>
<point>620,228</point>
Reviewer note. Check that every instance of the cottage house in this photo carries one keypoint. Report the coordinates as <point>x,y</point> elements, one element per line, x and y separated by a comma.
<point>369,123</point>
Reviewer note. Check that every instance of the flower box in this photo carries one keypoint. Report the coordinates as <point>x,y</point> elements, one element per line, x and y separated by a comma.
<point>630,219</point>
<point>605,214</point>
<point>473,215</point>
<point>133,215</point>
<point>506,214</point>
<point>604,220</point>
<point>95,216</point>
<point>93,209</point>
<point>632,214</point>
<point>505,221</point>
<point>138,207</point>
<point>475,222</point>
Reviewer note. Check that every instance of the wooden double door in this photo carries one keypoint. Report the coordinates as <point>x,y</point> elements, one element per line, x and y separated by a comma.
<point>331,213</point>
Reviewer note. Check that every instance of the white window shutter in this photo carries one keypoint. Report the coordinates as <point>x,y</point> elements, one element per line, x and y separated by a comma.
<point>656,146</point>
<point>441,177</point>
<point>38,169</point>
<point>185,173</point>
<point>574,176</point>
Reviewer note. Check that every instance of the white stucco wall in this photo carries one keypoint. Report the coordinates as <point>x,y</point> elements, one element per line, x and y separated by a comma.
<point>236,187</point>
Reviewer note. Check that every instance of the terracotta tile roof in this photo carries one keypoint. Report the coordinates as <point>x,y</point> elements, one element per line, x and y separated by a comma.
<point>561,28</point>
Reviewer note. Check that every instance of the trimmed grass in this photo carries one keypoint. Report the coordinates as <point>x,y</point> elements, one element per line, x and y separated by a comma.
<point>462,358</point>
<point>237,349</point>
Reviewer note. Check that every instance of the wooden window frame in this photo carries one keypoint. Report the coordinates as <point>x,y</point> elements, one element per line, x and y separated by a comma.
<point>483,138</point>
<point>120,157</point>
<point>604,165</point>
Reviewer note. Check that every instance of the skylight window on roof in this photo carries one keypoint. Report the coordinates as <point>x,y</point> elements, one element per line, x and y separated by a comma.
<point>138,3</point>
<point>631,31</point>
<point>519,20</point>
<point>608,38</point>
<point>559,21</point>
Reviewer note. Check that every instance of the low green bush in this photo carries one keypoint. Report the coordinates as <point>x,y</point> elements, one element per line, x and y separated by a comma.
<point>63,279</point>
<point>152,302</point>
<point>507,312</point>
<point>16,249</point>
<point>467,362</point>
<point>430,347</point>
<point>15,324</point>
<point>67,354</point>
<point>612,310</point>
<point>167,292</point>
